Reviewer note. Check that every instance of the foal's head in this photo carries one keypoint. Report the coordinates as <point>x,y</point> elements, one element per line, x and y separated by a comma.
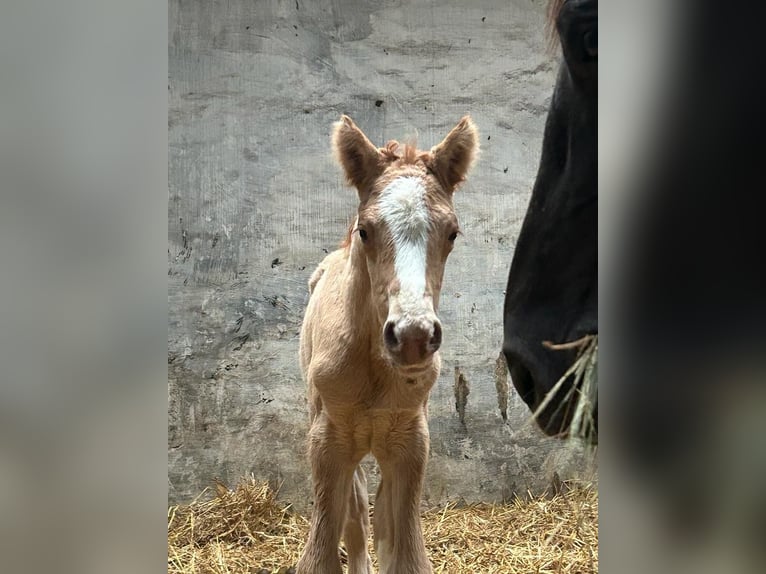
<point>406,227</point>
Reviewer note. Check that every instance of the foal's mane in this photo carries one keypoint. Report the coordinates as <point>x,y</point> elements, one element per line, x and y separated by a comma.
<point>393,151</point>
<point>405,154</point>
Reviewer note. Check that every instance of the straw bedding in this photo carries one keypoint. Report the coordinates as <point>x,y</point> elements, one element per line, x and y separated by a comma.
<point>247,531</point>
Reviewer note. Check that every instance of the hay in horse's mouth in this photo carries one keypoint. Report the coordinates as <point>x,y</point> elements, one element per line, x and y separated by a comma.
<point>585,384</point>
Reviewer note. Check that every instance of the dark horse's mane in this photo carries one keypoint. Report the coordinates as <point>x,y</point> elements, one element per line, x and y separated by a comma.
<point>552,13</point>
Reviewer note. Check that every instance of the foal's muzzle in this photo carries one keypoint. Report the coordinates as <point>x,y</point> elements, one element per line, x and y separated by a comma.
<point>412,341</point>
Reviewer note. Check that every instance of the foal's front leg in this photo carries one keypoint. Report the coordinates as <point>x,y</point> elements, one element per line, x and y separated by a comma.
<point>332,473</point>
<point>397,529</point>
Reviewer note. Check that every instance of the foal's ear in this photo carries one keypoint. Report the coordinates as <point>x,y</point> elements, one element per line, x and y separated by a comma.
<point>453,157</point>
<point>362,162</point>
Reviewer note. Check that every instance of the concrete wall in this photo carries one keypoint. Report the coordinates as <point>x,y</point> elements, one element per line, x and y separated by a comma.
<point>256,202</point>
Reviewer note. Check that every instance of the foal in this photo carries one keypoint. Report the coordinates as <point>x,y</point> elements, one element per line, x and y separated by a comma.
<point>369,346</point>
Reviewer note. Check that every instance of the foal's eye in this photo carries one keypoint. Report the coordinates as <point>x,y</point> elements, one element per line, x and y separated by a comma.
<point>363,235</point>
<point>452,236</point>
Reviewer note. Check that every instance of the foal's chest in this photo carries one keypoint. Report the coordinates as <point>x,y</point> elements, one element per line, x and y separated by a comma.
<point>371,387</point>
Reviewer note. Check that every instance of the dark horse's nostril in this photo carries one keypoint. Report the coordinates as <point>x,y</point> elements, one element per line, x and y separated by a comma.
<point>389,336</point>
<point>436,338</point>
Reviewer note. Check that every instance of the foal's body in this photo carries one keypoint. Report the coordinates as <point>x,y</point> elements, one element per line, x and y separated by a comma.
<point>360,404</point>
<point>369,351</point>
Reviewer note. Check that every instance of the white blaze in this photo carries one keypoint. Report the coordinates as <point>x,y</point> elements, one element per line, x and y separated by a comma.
<point>403,208</point>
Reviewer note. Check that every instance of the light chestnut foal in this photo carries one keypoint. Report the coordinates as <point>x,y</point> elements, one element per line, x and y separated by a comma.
<point>369,348</point>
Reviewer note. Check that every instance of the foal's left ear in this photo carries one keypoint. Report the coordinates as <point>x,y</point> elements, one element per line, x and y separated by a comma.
<point>453,157</point>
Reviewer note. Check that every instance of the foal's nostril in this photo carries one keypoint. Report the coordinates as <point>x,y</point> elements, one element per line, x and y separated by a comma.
<point>389,336</point>
<point>436,338</point>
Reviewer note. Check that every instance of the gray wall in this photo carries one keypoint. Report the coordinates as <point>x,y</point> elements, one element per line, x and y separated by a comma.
<point>256,202</point>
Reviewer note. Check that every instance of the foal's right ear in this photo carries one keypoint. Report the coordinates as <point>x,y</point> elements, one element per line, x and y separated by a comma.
<point>362,162</point>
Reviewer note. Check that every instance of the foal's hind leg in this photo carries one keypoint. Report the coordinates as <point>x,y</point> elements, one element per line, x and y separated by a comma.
<point>332,472</point>
<point>357,527</point>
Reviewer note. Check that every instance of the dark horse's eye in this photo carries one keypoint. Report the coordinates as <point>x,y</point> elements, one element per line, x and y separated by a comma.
<point>453,236</point>
<point>363,234</point>
<point>590,39</point>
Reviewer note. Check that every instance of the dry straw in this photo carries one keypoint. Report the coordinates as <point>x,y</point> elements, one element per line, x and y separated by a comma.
<point>584,377</point>
<point>247,531</point>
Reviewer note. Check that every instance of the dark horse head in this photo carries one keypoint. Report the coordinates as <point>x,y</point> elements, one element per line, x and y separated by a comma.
<point>552,285</point>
